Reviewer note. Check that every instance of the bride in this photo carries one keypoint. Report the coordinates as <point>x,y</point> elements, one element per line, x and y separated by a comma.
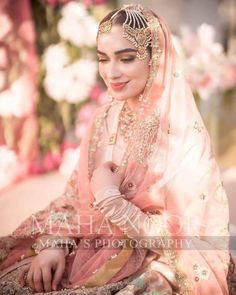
<point>145,211</point>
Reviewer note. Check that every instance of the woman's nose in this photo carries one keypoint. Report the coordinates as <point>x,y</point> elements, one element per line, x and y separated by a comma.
<point>113,71</point>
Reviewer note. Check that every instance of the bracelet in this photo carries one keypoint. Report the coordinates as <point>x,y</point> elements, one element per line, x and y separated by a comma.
<point>105,193</point>
<point>45,242</point>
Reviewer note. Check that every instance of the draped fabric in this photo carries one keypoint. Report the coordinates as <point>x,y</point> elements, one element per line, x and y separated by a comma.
<point>170,173</point>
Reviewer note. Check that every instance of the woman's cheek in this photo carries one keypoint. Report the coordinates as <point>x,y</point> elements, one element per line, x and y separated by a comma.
<point>101,72</point>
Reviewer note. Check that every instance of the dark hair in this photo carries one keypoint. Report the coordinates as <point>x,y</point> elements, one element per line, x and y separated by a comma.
<point>119,20</point>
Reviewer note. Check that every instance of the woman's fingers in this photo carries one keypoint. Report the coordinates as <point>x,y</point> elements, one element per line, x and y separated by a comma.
<point>30,278</point>
<point>58,275</point>
<point>114,168</point>
<point>38,280</point>
<point>47,279</point>
<point>22,275</point>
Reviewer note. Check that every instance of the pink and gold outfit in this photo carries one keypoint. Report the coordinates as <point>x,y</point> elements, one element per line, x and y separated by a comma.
<point>171,194</point>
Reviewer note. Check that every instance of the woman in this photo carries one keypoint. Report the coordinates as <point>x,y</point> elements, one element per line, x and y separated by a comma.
<point>141,210</point>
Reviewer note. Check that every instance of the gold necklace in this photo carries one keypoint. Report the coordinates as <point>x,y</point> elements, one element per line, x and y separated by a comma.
<point>127,122</point>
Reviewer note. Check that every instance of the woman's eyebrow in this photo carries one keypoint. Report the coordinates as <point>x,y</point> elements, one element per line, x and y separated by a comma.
<point>125,50</point>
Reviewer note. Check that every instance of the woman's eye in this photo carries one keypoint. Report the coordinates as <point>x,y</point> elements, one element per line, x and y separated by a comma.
<point>127,60</point>
<point>102,60</point>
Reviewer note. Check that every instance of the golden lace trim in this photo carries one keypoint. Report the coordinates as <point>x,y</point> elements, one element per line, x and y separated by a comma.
<point>106,272</point>
<point>184,283</point>
<point>94,143</point>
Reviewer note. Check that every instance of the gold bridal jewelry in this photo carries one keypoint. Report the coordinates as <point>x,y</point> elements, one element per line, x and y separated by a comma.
<point>127,122</point>
<point>126,126</point>
<point>136,28</point>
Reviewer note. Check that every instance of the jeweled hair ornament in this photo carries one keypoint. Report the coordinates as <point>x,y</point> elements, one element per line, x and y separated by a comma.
<point>136,28</point>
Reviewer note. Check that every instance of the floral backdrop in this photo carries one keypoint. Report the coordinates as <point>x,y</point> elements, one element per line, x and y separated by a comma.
<point>45,109</point>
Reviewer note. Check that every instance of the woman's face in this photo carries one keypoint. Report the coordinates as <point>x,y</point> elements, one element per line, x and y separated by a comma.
<point>124,74</point>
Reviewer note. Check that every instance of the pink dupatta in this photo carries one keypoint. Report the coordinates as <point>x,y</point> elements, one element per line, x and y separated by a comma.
<point>178,179</point>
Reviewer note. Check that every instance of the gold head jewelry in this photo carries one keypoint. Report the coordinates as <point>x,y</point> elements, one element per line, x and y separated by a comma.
<point>136,28</point>
<point>105,27</point>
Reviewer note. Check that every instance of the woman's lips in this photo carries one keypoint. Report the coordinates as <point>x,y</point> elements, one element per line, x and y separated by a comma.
<point>118,86</point>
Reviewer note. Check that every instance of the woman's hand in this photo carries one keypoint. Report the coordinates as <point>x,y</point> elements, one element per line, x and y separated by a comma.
<point>45,271</point>
<point>106,176</point>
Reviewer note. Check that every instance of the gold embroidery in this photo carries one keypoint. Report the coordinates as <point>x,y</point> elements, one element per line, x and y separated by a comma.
<point>3,254</point>
<point>127,122</point>
<point>203,197</point>
<point>144,141</point>
<point>201,272</point>
<point>184,284</point>
<point>112,139</point>
<point>95,137</point>
<point>104,274</point>
<point>220,196</point>
<point>59,216</point>
<point>197,126</point>
<point>72,185</point>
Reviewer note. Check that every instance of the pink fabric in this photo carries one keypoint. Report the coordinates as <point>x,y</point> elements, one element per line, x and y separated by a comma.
<point>181,182</point>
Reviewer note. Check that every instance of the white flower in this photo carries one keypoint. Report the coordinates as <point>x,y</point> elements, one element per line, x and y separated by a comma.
<point>2,80</point>
<point>3,58</point>
<point>56,84</point>
<point>83,76</point>
<point>74,10</point>
<point>5,25</point>
<point>16,101</point>
<point>206,36</point>
<point>77,26</point>
<point>204,61</point>
<point>69,160</point>
<point>72,83</point>
<point>91,27</point>
<point>55,57</point>
<point>9,166</point>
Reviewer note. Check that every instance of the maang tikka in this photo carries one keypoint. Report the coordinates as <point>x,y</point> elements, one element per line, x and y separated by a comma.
<point>136,28</point>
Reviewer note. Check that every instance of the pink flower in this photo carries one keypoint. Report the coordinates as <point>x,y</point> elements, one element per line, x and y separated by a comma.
<point>4,59</point>
<point>96,91</point>
<point>87,2</point>
<point>103,98</point>
<point>36,167</point>
<point>93,2</point>
<point>67,145</point>
<point>5,26</point>
<point>55,2</point>
<point>205,81</point>
<point>99,2</point>
<point>87,111</point>
<point>51,160</point>
<point>80,129</point>
<point>228,76</point>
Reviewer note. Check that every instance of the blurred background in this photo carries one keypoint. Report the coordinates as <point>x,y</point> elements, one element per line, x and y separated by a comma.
<point>49,88</point>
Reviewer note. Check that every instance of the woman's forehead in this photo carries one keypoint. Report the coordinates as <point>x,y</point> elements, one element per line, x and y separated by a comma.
<point>113,41</point>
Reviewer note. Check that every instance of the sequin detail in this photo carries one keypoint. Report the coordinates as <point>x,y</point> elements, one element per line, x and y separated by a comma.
<point>202,272</point>
<point>198,126</point>
<point>220,195</point>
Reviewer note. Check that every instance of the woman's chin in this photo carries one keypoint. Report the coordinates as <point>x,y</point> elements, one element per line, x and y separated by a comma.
<point>119,98</point>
